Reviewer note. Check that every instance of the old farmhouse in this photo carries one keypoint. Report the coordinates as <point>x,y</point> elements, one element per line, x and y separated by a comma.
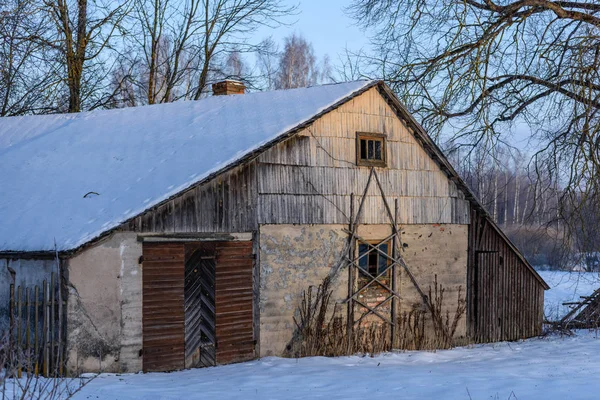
<point>185,234</point>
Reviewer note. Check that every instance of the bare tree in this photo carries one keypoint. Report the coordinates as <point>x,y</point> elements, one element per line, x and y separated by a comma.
<point>485,66</point>
<point>164,32</point>
<point>297,66</point>
<point>352,65</point>
<point>123,89</point>
<point>267,63</point>
<point>184,44</point>
<point>235,66</point>
<point>325,71</point>
<point>83,32</point>
<point>225,20</point>
<point>24,81</point>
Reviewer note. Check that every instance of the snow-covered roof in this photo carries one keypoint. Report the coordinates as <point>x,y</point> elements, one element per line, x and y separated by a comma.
<point>128,160</point>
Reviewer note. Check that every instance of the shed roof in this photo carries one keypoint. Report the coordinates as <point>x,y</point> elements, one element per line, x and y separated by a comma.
<point>68,178</point>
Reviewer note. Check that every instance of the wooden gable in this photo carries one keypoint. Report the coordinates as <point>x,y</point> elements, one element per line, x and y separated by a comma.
<point>308,179</point>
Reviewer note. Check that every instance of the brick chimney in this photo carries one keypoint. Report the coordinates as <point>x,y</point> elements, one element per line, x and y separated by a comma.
<point>227,87</point>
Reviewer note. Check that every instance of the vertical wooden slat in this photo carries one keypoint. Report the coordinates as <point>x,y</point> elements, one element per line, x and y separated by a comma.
<point>60,319</point>
<point>46,305</point>
<point>36,313</point>
<point>11,312</point>
<point>52,324</point>
<point>19,346</point>
<point>163,306</point>
<point>395,247</point>
<point>234,302</point>
<point>19,314</point>
<point>27,323</point>
<point>351,256</point>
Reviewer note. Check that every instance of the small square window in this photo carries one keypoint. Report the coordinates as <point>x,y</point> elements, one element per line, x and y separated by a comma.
<point>371,260</point>
<point>370,149</point>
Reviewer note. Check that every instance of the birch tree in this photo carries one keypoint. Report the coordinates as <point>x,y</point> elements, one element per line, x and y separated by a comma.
<point>297,66</point>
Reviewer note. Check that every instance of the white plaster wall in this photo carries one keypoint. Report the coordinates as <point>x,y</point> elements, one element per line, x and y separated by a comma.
<point>104,321</point>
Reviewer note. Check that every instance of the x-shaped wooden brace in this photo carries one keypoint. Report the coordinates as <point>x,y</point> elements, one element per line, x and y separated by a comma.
<point>373,279</point>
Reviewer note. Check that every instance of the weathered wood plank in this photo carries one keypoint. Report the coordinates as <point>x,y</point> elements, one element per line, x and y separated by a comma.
<point>505,301</point>
<point>163,307</point>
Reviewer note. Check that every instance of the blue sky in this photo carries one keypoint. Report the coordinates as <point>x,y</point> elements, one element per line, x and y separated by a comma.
<point>324,24</point>
<point>330,30</point>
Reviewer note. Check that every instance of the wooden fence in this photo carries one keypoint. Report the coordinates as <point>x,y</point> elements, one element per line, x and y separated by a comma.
<point>37,335</point>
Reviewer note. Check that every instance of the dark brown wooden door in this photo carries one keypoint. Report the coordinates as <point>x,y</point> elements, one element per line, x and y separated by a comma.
<point>198,304</point>
<point>234,302</point>
<point>163,306</point>
<point>200,336</point>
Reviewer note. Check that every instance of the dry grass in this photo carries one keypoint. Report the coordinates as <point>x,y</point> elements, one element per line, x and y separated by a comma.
<point>19,378</point>
<point>321,329</point>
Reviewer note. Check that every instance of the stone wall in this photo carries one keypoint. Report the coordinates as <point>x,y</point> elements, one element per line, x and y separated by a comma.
<point>104,320</point>
<point>293,257</point>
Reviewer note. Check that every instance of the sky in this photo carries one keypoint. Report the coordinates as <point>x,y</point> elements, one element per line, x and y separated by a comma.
<point>330,30</point>
<point>324,24</point>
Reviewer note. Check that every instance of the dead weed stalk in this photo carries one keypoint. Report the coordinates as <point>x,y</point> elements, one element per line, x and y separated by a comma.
<point>321,330</point>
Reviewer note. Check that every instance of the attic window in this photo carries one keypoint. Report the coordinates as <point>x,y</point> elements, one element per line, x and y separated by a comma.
<point>370,149</point>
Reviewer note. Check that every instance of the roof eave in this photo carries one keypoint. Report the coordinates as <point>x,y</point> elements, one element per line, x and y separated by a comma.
<point>240,161</point>
<point>439,156</point>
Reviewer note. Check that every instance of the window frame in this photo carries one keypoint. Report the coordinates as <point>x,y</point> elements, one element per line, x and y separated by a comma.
<point>381,137</point>
<point>375,243</point>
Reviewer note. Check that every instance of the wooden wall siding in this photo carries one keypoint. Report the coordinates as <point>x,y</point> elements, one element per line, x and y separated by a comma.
<point>276,179</point>
<point>309,178</point>
<point>224,204</point>
<point>310,149</point>
<point>504,298</point>
<point>234,302</point>
<point>163,306</point>
<point>318,209</point>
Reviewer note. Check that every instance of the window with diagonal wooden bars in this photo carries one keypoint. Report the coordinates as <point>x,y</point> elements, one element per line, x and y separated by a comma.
<point>371,259</point>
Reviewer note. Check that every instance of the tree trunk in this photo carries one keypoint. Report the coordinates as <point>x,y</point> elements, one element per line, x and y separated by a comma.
<point>74,50</point>
<point>505,217</point>
<point>153,55</point>
<point>495,213</point>
<point>516,205</point>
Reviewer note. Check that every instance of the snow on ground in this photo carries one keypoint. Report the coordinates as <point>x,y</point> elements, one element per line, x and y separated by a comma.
<point>565,287</point>
<point>539,368</point>
<point>555,368</point>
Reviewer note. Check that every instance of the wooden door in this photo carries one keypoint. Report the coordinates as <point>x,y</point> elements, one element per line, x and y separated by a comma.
<point>200,337</point>
<point>163,306</point>
<point>198,304</point>
<point>488,297</point>
<point>234,302</point>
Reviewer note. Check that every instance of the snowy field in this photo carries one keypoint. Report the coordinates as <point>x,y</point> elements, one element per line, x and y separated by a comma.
<point>564,287</point>
<point>539,368</point>
<point>556,368</point>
